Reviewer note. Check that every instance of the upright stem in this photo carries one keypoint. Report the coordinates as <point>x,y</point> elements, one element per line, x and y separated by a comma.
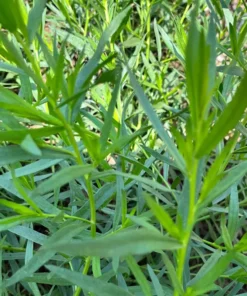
<point>148,29</point>
<point>92,206</point>
<point>107,18</point>
<point>87,19</point>
<point>181,257</point>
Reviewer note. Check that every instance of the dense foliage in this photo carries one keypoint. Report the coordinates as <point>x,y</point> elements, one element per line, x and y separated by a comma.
<point>123,147</point>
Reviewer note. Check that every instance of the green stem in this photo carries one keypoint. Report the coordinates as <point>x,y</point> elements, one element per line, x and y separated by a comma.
<point>12,249</point>
<point>92,206</point>
<point>181,257</point>
<point>85,271</point>
<point>148,30</point>
<point>87,20</point>
<point>67,217</point>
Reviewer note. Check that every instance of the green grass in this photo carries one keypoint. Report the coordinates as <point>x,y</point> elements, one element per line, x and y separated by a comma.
<point>123,148</point>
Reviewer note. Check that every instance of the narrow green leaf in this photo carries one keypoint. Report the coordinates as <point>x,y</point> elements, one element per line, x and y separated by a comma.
<point>197,73</point>
<point>26,88</point>
<point>6,67</point>
<point>147,181</point>
<point>231,70</point>
<point>42,256</point>
<point>225,233</point>
<point>90,284</point>
<point>163,217</point>
<point>149,67</point>
<point>106,129</point>
<point>231,177</point>
<point>139,275</point>
<point>19,135</point>
<point>121,244</point>
<point>242,37</point>
<point>7,223</point>
<point>157,286</point>
<point>88,70</point>
<point>171,147</point>
<point>29,234</point>
<point>35,18</point>
<point>203,285</point>
<point>157,38</point>
<point>11,154</point>
<point>216,170</point>
<point>18,208</point>
<point>206,267</point>
<point>172,274</point>
<point>48,279</point>
<point>10,101</point>
<point>29,145</point>
<point>228,119</point>
<point>233,220</point>
<point>63,177</point>
<point>241,246</point>
<point>170,44</point>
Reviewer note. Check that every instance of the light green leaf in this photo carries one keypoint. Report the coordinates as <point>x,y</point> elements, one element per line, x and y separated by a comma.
<point>29,145</point>
<point>231,177</point>
<point>139,275</point>
<point>63,177</point>
<point>11,102</point>
<point>233,212</point>
<point>42,256</point>
<point>157,38</point>
<point>228,119</point>
<point>204,284</point>
<point>18,208</point>
<point>122,244</point>
<point>20,135</point>
<point>241,246</point>
<point>163,217</point>
<point>106,129</point>
<point>197,73</point>
<point>35,18</point>
<point>48,279</point>
<point>157,286</point>
<point>147,181</point>
<point>171,147</point>
<point>90,284</point>
<point>11,154</point>
<point>7,223</point>
<point>172,274</point>
<point>231,70</point>
<point>88,70</point>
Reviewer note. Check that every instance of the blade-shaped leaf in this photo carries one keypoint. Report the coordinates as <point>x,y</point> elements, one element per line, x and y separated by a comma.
<point>88,283</point>
<point>171,147</point>
<point>121,244</point>
<point>231,177</point>
<point>139,275</point>
<point>205,283</point>
<point>63,177</point>
<point>43,255</point>
<point>163,217</point>
<point>228,119</point>
<point>35,18</point>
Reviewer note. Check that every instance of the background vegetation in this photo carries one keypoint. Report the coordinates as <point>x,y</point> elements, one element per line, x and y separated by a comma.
<point>123,147</point>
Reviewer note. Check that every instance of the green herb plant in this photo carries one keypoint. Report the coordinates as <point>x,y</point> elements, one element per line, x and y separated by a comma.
<point>123,148</point>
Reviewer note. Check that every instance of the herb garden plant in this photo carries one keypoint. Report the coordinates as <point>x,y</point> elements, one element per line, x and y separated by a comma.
<point>123,148</point>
